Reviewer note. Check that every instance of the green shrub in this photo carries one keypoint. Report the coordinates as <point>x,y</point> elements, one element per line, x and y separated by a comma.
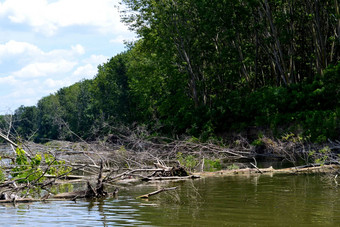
<point>188,161</point>
<point>212,165</point>
<point>233,166</point>
<point>29,170</point>
<point>2,176</point>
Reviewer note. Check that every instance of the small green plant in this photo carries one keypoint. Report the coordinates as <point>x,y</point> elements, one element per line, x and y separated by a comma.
<point>291,137</point>
<point>257,142</point>
<point>193,139</point>
<point>233,166</point>
<point>2,176</point>
<point>323,155</point>
<point>321,160</point>
<point>122,149</point>
<point>212,165</point>
<point>311,153</point>
<point>325,150</point>
<point>56,167</point>
<point>189,161</point>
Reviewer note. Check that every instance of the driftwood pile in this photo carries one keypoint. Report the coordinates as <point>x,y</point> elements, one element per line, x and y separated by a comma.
<point>97,190</point>
<point>307,169</point>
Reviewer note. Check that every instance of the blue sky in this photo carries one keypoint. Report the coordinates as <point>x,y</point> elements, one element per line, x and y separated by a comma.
<point>49,44</point>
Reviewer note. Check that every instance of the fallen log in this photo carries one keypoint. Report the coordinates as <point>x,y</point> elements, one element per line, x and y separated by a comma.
<point>160,166</point>
<point>69,177</point>
<point>155,193</point>
<point>8,140</point>
<point>170,178</point>
<point>12,143</point>
<point>108,178</point>
<point>271,170</point>
<point>12,198</point>
<point>256,167</point>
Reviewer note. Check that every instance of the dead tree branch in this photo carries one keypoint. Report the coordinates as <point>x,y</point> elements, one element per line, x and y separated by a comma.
<point>155,192</point>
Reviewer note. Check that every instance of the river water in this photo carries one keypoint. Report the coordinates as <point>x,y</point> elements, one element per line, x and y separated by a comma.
<point>279,200</point>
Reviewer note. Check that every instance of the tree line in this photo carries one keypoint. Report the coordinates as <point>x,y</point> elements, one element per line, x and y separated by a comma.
<point>206,68</point>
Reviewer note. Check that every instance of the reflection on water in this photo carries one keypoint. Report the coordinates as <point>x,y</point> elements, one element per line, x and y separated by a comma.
<point>280,200</point>
<point>65,213</point>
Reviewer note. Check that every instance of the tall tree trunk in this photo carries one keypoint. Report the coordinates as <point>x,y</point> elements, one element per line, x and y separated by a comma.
<point>277,51</point>
<point>336,33</point>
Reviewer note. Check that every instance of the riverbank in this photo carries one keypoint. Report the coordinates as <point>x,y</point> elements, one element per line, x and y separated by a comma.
<point>237,153</point>
<point>131,160</point>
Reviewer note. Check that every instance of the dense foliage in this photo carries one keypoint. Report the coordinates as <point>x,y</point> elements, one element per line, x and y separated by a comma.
<point>205,68</point>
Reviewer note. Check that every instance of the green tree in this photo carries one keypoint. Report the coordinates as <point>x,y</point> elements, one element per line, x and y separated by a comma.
<point>110,90</point>
<point>25,121</point>
<point>49,118</point>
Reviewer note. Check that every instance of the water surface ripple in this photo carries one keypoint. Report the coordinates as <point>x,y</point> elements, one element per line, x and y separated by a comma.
<point>280,200</point>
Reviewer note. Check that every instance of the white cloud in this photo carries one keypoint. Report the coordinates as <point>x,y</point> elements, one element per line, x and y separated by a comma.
<point>48,17</point>
<point>12,100</point>
<point>120,39</point>
<point>22,93</point>
<point>38,73</point>
<point>79,49</point>
<point>40,69</point>
<point>96,59</point>
<point>25,52</point>
<point>8,80</point>
<point>16,48</point>
<point>86,71</point>
<point>89,68</point>
<point>50,83</point>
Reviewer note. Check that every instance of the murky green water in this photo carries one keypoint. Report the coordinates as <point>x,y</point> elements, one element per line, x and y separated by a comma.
<point>221,201</point>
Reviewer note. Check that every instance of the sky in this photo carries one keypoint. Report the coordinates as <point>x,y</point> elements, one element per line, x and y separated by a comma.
<point>49,44</point>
